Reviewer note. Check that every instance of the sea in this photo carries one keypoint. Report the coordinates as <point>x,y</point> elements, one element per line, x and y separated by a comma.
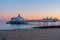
<point>30,25</point>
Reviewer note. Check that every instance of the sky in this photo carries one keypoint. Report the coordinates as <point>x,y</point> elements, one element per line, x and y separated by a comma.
<point>29,9</point>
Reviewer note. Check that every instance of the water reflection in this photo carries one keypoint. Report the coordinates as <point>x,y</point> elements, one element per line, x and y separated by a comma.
<point>4,26</point>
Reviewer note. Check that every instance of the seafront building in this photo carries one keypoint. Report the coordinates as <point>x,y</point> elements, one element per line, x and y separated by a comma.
<point>17,20</point>
<point>49,19</point>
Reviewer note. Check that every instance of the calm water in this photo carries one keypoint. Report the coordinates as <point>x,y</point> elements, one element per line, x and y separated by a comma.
<point>4,26</point>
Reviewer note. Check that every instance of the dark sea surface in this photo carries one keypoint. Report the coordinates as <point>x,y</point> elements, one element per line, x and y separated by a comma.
<point>30,25</point>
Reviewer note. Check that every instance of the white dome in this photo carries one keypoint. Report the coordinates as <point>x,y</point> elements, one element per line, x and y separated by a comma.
<point>18,18</point>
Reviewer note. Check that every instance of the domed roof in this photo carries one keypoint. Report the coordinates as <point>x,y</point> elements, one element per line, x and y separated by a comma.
<point>19,16</point>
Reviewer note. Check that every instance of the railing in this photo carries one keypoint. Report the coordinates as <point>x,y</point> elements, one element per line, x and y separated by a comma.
<point>44,23</point>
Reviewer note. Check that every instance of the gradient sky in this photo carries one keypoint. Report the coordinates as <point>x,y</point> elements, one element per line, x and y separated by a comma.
<point>29,9</point>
